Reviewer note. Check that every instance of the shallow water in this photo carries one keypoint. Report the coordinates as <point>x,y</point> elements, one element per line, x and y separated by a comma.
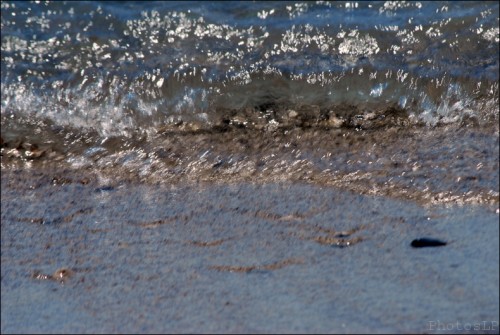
<point>313,91</point>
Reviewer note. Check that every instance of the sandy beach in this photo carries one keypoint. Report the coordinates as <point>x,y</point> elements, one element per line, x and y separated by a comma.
<point>80,254</point>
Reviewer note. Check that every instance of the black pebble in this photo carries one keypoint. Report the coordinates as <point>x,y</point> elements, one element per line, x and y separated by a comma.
<point>427,242</point>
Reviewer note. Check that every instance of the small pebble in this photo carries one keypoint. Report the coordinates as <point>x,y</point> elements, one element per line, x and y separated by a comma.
<point>62,274</point>
<point>427,242</point>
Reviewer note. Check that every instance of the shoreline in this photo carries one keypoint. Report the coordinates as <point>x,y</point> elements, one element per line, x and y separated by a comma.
<point>431,166</point>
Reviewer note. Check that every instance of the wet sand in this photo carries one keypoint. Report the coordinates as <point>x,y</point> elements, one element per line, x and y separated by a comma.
<point>81,252</point>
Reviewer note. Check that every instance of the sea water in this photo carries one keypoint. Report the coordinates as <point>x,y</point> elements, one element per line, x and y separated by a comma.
<point>335,92</point>
<point>125,68</point>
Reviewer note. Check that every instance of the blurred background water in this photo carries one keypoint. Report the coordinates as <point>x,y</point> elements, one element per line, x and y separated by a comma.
<point>123,68</point>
